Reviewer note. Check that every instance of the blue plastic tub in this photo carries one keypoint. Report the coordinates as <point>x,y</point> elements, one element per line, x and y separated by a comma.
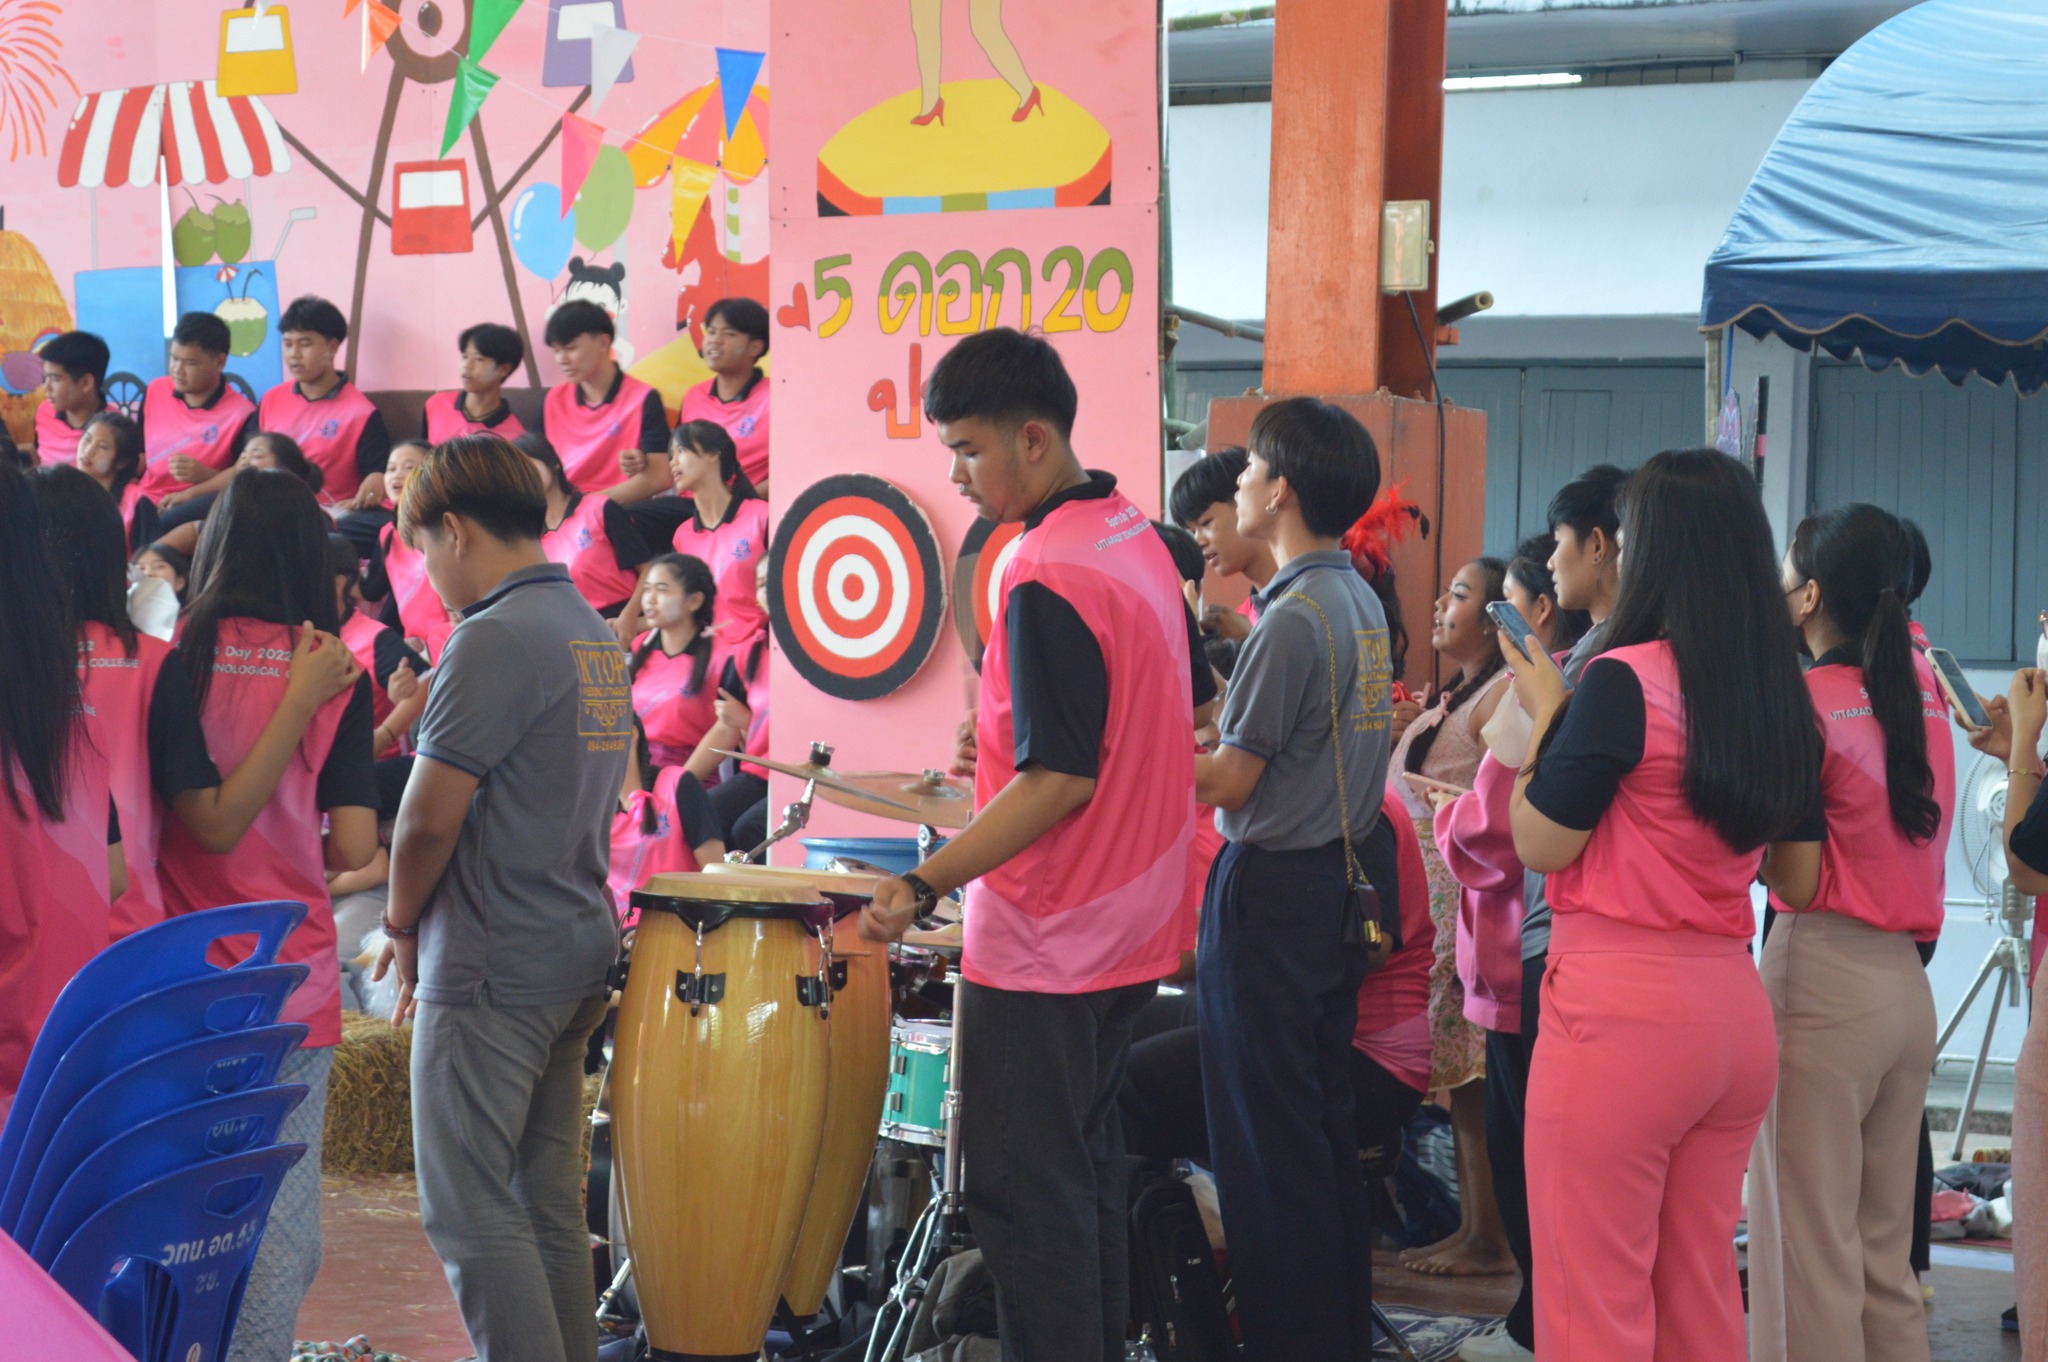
<point>898,855</point>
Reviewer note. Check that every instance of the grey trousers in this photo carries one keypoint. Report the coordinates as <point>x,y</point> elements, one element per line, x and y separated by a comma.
<point>1831,1178</point>
<point>496,1112</point>
<point>289,1258</point>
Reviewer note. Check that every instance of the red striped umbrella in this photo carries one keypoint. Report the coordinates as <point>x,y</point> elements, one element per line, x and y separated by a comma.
<point>117,137</point>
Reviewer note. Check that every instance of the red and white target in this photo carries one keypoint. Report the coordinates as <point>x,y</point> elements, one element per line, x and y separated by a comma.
<point>855,586</point>
<point>978,581</point>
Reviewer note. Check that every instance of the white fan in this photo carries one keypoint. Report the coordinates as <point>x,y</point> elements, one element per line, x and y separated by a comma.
<point>1981,812</point>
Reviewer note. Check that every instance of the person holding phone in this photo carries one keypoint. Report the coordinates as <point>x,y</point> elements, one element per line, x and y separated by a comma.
<point>1689,745</point>
<point>1298,781</point>
<point>1444,745</point>
<point>1830,1228</point>
<point>1476,840</point>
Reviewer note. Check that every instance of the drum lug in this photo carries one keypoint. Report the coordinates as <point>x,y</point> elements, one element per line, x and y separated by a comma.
<point>615,977</point>
<point>811,991</point>
<point>838,975</point>
<point>699,989</point>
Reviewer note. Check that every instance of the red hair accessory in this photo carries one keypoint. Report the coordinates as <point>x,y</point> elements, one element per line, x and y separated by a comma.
<point>1390,519</point>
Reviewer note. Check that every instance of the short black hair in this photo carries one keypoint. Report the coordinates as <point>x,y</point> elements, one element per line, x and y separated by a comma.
<point>496,342</point>
<point>1002,376</point>
<point>80,354</point>
<point>310,313</point>
<point>482,476</point>
<point>1187,554</point>
<point>1591,501</point>
<point>1327,457</point>
<point>743,315</point>
<point>579,317</point>
<point>204,330</point>
<point>1208,481</point>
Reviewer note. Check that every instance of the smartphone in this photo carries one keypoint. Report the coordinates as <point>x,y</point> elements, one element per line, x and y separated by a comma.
<point>1423,785</point>
<point>1512,626</point>
<point>1962,697</point>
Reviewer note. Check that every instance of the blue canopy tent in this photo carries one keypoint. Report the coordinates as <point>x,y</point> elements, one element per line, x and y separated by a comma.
<point>1902,213</point>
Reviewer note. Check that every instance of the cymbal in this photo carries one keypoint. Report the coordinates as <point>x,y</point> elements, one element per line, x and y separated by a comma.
<point>940,939</point>
<point>835,787</point>
<point>930,797</point>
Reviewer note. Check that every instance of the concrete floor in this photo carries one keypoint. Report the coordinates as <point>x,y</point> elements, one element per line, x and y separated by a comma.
<point>379,1277</point>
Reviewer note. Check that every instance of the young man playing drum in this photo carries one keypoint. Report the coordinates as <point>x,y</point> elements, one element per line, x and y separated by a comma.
<point>1079,879</point>
<point>499,920</point>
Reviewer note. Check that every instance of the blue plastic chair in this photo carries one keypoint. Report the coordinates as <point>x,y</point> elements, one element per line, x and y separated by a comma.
<point>152,958</point>
<point>191,1135</point>
<point>145,1090</point>
<point>163,1268</point>
<point>217,1003</point>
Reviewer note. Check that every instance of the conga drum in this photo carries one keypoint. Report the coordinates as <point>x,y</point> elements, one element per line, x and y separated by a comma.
<point>718,1087</point>
<point>859,1068</point>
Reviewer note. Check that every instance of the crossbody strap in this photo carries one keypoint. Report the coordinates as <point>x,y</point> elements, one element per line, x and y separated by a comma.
<point>1351,866</point>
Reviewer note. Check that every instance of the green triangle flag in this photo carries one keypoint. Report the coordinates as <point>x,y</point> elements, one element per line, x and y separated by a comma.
<point>472,85</point>
<point>487,21</point>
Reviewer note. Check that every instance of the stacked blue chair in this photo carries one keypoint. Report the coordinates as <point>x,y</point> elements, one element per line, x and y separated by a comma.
<point>140,1158</point>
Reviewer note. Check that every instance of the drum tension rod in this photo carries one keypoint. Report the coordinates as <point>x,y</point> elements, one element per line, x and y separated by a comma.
<point>699,989</point>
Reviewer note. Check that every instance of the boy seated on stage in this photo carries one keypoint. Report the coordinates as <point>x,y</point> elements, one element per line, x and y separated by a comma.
<point>194,423</point>
<point>340,429</point>
<point>491,353</point>
<point>736,395</point>
<point>74,391</point>
<point>603,422</point>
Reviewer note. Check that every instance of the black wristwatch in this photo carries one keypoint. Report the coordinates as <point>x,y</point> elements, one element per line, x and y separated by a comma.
<point>926,895</point>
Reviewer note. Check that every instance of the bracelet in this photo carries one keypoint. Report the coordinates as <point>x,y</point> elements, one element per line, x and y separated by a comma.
<point>391,929</point>
<point>2012,771</point>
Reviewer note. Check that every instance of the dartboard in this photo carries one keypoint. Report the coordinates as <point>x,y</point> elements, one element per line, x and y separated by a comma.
<point>978,579</point>
<point>855,586</point>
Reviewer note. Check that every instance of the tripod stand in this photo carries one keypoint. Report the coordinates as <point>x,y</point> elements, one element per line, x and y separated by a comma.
<point>2007,963</point>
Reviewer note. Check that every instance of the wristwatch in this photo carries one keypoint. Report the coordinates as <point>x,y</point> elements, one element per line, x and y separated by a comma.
<point>926,895</point>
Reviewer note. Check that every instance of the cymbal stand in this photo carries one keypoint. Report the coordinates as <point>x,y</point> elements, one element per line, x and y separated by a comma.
<point>796,816</point>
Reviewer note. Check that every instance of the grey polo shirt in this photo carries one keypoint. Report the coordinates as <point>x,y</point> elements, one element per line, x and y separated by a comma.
<point>532,698</point>
<point>1535,903</point>
<point>1278,707</point>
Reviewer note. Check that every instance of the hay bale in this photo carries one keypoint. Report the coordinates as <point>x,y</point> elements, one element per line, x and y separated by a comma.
<point>369,1098</point>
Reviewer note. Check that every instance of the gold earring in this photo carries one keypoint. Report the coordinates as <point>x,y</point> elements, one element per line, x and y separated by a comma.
<point>1272,508</point>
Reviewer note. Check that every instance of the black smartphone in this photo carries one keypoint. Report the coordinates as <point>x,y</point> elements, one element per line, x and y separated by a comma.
<point>729,682</point>
<point>1962,696</point>
<point>1512,626</point>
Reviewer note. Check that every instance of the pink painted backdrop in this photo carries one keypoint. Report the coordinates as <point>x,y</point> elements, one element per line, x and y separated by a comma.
<point>412,306</point>
<point>834,63</point>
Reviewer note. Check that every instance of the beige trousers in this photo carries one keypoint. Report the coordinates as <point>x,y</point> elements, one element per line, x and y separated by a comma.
<point>1831,1177</point>
<point>2030,1187</point>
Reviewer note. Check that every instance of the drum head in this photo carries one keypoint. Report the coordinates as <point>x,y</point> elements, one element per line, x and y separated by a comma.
<point>847,891</point>
<point>706,901</point>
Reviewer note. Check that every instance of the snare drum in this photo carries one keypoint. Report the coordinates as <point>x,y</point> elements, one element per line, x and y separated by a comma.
<point>718,1087</point>
<point>920,1075</point>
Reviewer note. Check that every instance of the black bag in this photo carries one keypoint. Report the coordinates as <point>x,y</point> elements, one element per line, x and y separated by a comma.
<point>1176,1293</point>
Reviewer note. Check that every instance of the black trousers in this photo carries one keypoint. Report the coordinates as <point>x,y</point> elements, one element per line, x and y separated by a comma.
<point>1047,1184</point>
<point>741,803</point>
<point>1277,989</point>
<point>1507,1098</point>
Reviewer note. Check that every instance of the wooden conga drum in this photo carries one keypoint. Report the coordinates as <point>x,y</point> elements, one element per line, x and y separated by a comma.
<point>718,1088</point>
<point>859,1029</point>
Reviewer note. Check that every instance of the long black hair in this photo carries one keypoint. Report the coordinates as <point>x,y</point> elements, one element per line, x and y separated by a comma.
<point>541,450</point>
<point>128,448</point>
<point>290,458</point>
<point>38,656</point>
<point>708,437</point>
<point>262,556</point>
<point>1863,561</point>
<point>1699,571</point>
<point>1494,574</point>
<point>88,548</point>
<point>1531,567</point>
<point>692,574</point>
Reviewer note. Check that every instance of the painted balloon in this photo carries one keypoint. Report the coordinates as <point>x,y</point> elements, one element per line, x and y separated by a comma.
<point>604,205</point>
<point>541,236</point>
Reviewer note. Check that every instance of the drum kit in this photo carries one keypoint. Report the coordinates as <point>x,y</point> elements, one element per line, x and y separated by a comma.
<point>758,1073</point>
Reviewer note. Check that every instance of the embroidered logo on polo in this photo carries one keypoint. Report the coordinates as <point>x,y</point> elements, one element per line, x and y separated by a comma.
<point>605,692</point>
<point>856,591</point>
<point>330,428</point>
<point>210,434</point>
<point>745,425</point>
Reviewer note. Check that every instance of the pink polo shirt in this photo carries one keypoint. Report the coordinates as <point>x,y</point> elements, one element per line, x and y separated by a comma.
<point>745,418</point>
<point>730,549</point>
<point>329,429</point>
<point>674,716</point>
<point>446,418</point>
<point>209,433</point>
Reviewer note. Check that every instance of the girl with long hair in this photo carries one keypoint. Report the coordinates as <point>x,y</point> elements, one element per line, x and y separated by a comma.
<point>1689,746</point>
<point>110,452</point>
<point>1830,1238</point>
<point>260,591</point>
<point>147,718</point>
<point>398,573</point>
<point>602,542</point>
<point>728,528</point>
<point>1441,742</point>
<point>674,688</point>
<point>1478,845</point>
<point>59,844</point>
<point>265,449</point>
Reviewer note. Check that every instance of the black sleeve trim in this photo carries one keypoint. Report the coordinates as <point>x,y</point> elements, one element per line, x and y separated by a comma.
<point>373,446</point>
<point>388,651</point>
<point>348,779</point>
<point>1201,676</point>
<point>2029,839</point>
<point>1059,683</point>
<point>178,759</point>
<point>654,431</point>
<point>1599,740</point>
